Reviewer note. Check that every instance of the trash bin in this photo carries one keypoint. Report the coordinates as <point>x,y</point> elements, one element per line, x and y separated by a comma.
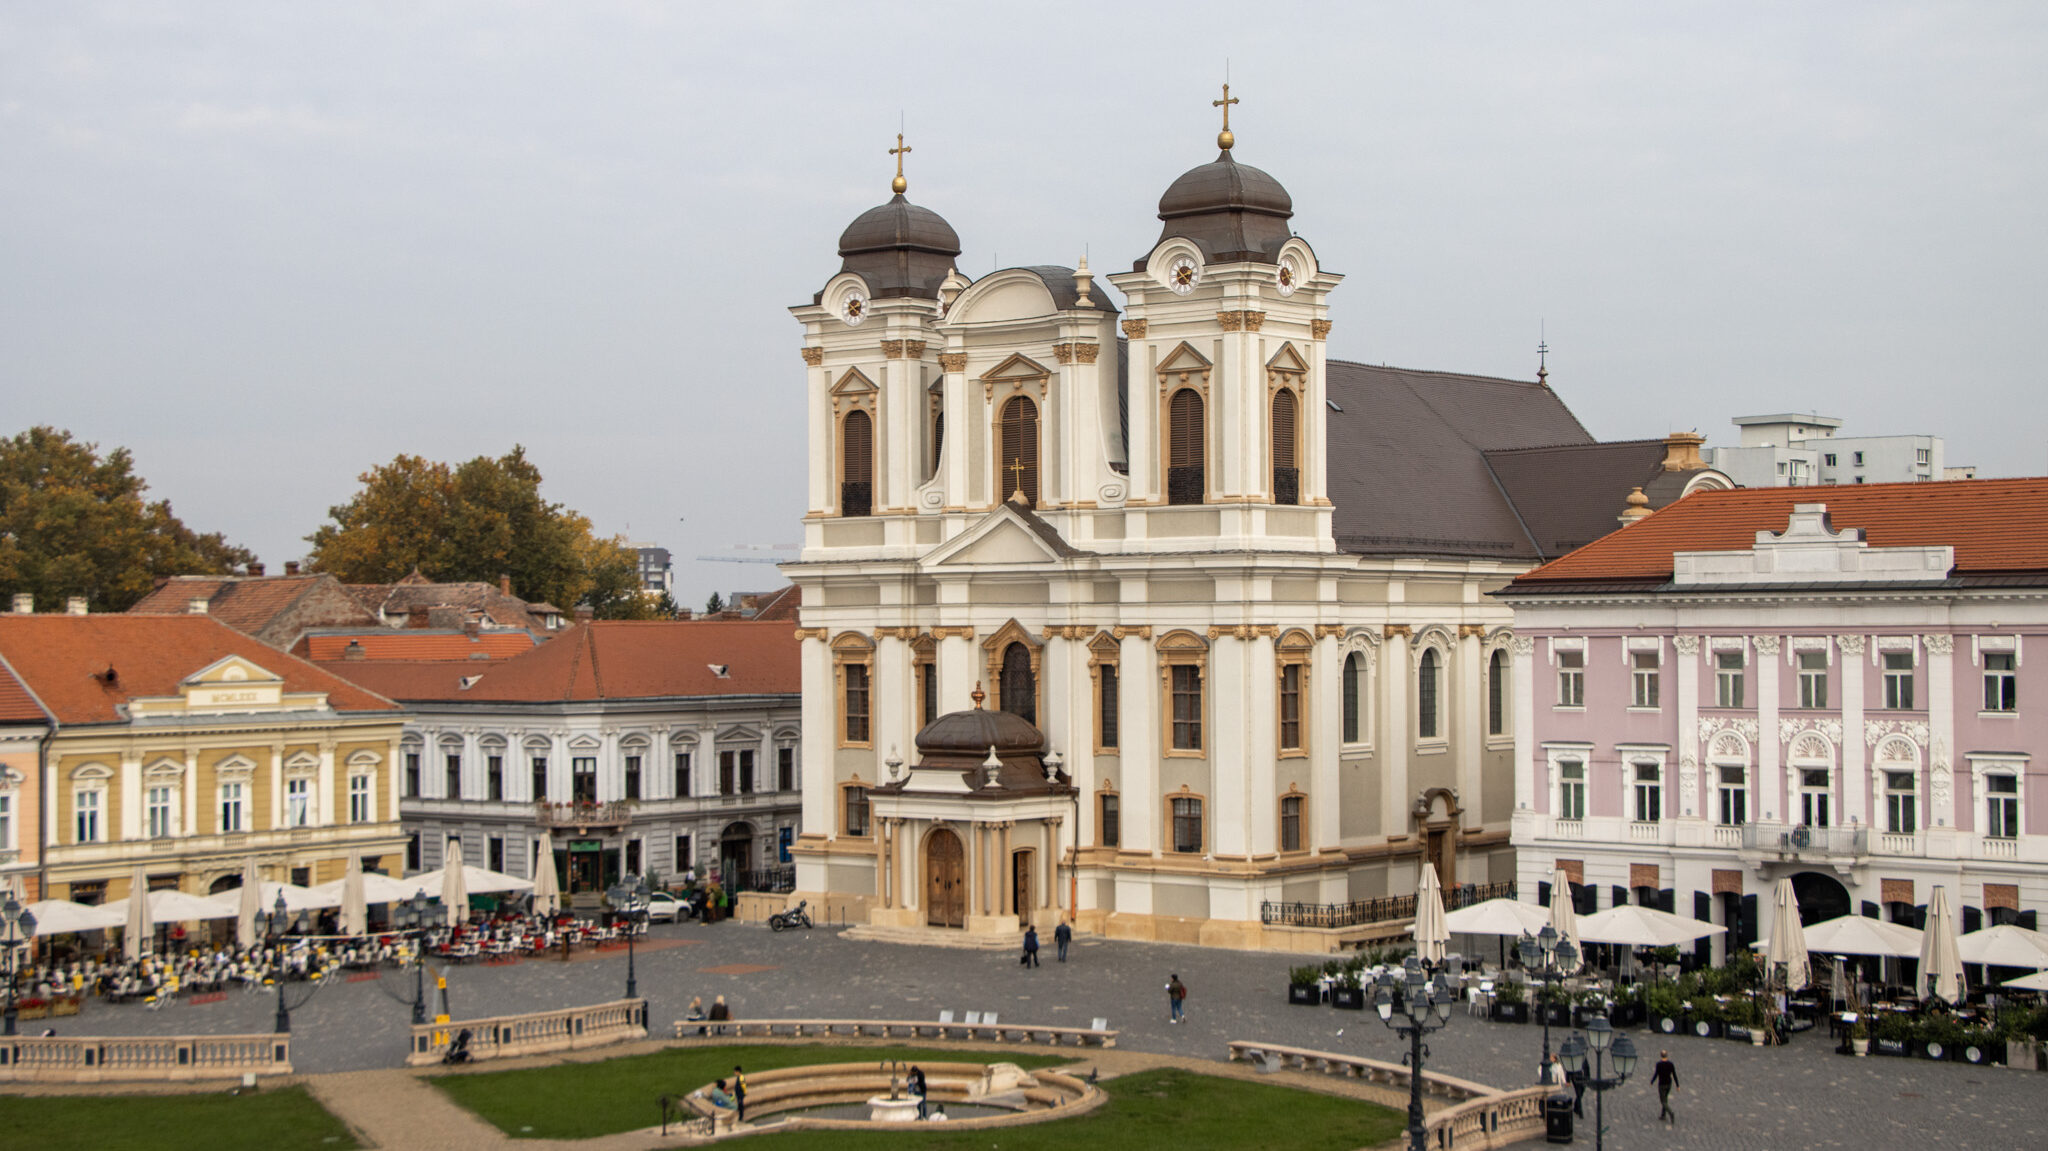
<point>1557,1118</point>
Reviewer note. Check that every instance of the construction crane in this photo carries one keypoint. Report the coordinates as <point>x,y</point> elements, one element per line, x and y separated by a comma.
<point>762,559</point>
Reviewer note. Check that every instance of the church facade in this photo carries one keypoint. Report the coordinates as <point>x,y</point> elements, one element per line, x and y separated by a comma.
<point>1240,588</point>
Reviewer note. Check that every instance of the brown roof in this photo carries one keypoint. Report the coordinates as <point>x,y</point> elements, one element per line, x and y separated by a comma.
<point>1995,526</point>
<point>17,705</point>
<point>64,659</point>
<point>476,602</point>
<point>781,604</point>
<point>610,660</point>
<point>423,646</point>
<point>1568,495</point>
<point>252,604</point>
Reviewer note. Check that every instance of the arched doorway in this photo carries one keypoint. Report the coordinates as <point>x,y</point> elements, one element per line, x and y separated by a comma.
<point>945,880</point>
<point>229,882</point>
<point>1821,897</point>
<point>735,853</point>
<point>1021,888</point>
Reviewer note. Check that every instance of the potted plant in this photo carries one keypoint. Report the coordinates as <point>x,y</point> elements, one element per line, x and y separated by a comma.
<point>67,1005</point>
<point>1979,1045</point>
<point>1666,1009</point>
<point>1859,1036</point>
<point>1627,1009</point>
<point>1349,993</point>
<point>1892,1034</point>
<point>1509,1005</point>
<point>1304,985</point>
<point>1938,1037</point>
<point>1588,1006</point>
<point>1554,1006</point>
<point>33,1007</point>
<point>1744,1022</point>
<point>1706,1019</point>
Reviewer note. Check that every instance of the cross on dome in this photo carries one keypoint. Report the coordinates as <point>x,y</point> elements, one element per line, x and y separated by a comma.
<point>1224,139</point>
<point>899,183</point>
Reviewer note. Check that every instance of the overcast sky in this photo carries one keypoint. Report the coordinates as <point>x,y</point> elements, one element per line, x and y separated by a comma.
<point>267,246</point>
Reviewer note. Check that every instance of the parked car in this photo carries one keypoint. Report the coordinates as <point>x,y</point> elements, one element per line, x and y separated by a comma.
<point>664,908</point>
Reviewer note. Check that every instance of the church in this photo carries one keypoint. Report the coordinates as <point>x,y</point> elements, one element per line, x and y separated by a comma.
<point>1220,601</point>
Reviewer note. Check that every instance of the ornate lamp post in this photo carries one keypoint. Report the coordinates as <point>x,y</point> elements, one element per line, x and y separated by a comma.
<point>416,917</point>
<point>20,927</point>
<point>1600,1037</point>
<point>629,901</point>
<point>1547,958</point>
<point>276,923</point>
<point>1413,1004</point>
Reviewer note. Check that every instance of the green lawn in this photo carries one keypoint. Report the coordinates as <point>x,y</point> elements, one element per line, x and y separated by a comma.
<point>286,1119</point>
<point>581,1100</point>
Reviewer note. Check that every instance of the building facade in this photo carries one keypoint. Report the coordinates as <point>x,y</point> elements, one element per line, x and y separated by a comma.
<point>184,747</point>
<point>1745,687</point>
<point>1790,449</point>
<point>23,725</point>
<point>641,748</point>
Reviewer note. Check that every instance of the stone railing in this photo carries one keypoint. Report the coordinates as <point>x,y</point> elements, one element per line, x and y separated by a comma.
<point>972,1028</point>
<point>101,1059</point>
<point>1493,1121</point>
<point>583,816</point>
<point>506,1036</point>
<point>1386,908</point>
<point>1356,1066</point>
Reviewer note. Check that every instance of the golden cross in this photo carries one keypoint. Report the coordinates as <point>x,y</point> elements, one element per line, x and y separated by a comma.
<point>1225,104</point>
<point>1016,470</point>
<point>897,152</point>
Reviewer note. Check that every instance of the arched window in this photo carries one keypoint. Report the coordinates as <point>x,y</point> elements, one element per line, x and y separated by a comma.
<point>1020,685</point>
<point>857,464</point>
<point>1497,693</point>
<point>938,442</point>
<point>1185,483</point>
<point>1019,463</point>
<point>1286,471</point>
<point>1426,697</point>
<point>1354,684</point>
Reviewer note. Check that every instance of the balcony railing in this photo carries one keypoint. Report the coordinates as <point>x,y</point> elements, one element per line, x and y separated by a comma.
<point>1804,842</point>
<point>1645,832</point>
<point>1727,835</point>
<point>1568,829</point>
<point>1989,848</point>
<point>1381,910</point>
<point>1895,843</point>
<point>584,816</point>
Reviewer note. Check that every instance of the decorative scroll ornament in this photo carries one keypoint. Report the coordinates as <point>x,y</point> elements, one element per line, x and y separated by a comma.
<point>1940,644</point>
<point>1850,644</point>
<point>1686,645</point>
<point>1766,644</point>
<point>1525,645</point>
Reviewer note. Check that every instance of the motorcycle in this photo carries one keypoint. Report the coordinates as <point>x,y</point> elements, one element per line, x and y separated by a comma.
<point>796,916</point>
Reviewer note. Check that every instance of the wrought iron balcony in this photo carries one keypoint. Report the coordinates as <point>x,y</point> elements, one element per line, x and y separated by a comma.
<point>583,817</point>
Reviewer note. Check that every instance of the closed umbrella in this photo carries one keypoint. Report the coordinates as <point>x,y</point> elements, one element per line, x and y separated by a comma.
<point>1562,915</point>
<point>547,891</point>
<point>248,904</point>
<point>2006,945</point>
<point>1432,937</point>
<point>454,884</point>
<point>140,925</point>
<point>355,913</point>
<point>1787,944</point>
<point>1941,963</point>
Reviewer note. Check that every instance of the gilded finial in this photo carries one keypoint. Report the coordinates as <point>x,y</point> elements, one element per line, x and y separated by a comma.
<point>1224,139</point>
<point>899,183</point>
<point>977,695</point>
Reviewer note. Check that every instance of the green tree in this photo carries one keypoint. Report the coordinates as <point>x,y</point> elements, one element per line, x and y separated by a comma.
<point>74,522</point>
<point>714,605</point>
<point>474,522</point>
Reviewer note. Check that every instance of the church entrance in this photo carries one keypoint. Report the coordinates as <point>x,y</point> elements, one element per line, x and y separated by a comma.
<point>945,883</point>
<point>1020,886</point>
<point>735,854</point>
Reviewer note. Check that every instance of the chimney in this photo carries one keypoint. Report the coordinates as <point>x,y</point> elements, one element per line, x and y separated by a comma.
<point>255,568</point>
<point>505,584</point>
<point>585,614</point>
<point>683,613</point>
<point>197,605</point>
<point>291,567</point>
<point>75,605</point>
<point>472,628</point>
<point>1682,452</point>
<point>1638,507</point>
<point>24,603</point>
<point>354,650</point>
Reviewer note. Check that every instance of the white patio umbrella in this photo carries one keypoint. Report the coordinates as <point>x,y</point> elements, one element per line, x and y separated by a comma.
<point>1632,926</point>
<point>2038,981</point>
<point>1432,937</point>
<point>171,906</point>
<point>296,898</point>
<point>547,891</point>
<point>355,913</point>
<point>248,904</point>
<point>1941,964</point>
<point>376,889</point>
<point>2006,945</point>
<point>1562,914</point>
<point>140,925</point>
<point>475,881</point>
<point>454,891</point>
<point>1859,935</point>
<point>1787,944</point>
<point>1509,917</point>
<point>63,917</point>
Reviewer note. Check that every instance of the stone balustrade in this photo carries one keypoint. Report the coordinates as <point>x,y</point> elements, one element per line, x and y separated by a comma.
<point>886,1028</point>
<point>507,1036</point>
<point>1370,1070</point>
<point>1493,1121</point>
<point>106,1059</point>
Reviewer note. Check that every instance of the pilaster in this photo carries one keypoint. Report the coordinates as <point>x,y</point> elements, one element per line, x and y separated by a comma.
<point>1396,670</point>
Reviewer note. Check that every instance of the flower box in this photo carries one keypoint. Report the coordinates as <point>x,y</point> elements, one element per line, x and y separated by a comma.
<point>1628,1015</point>
<point>1705,1028</point>
<point>1305,994</point>
<point>1509,1013</point>
<point>1670,1025</point>
<point>1932,1049</point>
<point>1736,1032</point>
<point>1585,1013</point>
<point>1348,998</point>
<point>1556,1014</point>
<point>67,1005</point>
<point>1981,1052</point>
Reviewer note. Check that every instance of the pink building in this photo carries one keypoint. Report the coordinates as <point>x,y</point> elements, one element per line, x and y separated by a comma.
<point>1754,684</point>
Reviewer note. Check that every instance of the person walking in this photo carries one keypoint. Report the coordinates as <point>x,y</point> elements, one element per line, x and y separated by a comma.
<point>1063,935</point>
<point>739,1093</point>
<point>916,1084</point>
<point>1665,1076</point>
<point>1031,947</point>
<point>1176,998</point>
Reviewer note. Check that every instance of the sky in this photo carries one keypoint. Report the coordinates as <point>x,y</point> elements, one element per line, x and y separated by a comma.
<point>270,246</point>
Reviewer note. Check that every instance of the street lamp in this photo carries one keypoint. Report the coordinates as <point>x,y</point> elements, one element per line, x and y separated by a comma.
<point>1413,1004</point>
<point>276,923</point>
<point>1599,1038</point>
<point>1548,958</point>
<point>417,916</point>
<point>20,924</point>
<point>630,901</point>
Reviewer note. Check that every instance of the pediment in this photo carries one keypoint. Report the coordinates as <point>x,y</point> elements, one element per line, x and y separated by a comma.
<point>1005,543</point>
<point>1018,367</point>
<point>1287,360</point>
<point>855,382</point>
<point>231,669</point>
<point>1185,359</point>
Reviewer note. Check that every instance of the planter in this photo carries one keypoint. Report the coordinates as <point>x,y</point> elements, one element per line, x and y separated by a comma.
<point>1669,1025</point>
<point>1932,1050</point>
<point>1348,998</point>
<point>1737,1032</point>
<point>67,1006</point>
<point>33,1010</point>
<point>1706,1028</point>
<point>1987,1051</point>
<point>1890,1047</point>
<point>2023,1054</point>
<point>1556,1015</point>
<point>1756,1037</point>
<point>1305,994</point>
<point>1628,1015</point>
<point>1586,1013</point>
<point>1509,1013</point>
<point>1861,1047</point>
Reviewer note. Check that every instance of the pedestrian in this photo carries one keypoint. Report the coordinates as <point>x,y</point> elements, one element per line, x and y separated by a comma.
<point>1553,1072</point>
<point>917,1091</point>
<point>720,1013</point>
<point>1665,1076</point>
<point>739,1093</point>
<point>1030,947</point>
<point>696,1012</point>
<point>1063,935</point>
<point>1176,998</point>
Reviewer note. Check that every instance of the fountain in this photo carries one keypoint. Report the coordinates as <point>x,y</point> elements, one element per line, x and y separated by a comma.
<point>895,1107</point>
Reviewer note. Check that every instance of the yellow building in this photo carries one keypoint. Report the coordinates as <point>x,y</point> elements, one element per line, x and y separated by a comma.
<point>181,745</point>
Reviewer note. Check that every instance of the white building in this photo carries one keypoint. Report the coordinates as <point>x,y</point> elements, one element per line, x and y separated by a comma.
<point>1790,449</point>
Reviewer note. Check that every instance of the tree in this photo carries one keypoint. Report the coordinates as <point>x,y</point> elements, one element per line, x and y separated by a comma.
<point>75,523</point>
<point>472,523</point>
<point>714,605</point>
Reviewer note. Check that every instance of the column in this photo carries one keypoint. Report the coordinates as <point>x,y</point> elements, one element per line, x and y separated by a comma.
<point>1941,729</point>
<point>333,804</point>
<point>1396,670</point>
<point>1855,780</point>
<point>1529,765</point>
<point>1326,679</point>
<point>894,700</point>
<point>954,466</point>
<point>1468,719</point>
<point>1698,798</point>
<point>190,826</point>
<point>957,673</point>
<point>277,784</point>
<point>823,432</point>
<point>1244,701</point>
<point>1006,890</point>
<point>819,714</point>
<point>1769,765</point>
<point>1138,727</point>
<point>1053,897</point>
<point>1056,689</point>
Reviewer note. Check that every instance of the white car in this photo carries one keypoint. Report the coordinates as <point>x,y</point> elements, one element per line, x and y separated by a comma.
<point>664,908</point>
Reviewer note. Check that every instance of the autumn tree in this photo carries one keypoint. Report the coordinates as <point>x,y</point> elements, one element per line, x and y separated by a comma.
<point>73,522</point>
<point>474,522</point>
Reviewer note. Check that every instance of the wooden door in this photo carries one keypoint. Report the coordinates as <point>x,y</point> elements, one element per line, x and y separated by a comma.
<point>1020,887</point>
<point>945,887</point>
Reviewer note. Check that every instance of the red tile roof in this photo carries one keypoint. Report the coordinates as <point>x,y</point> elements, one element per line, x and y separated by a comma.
<point>420,646</point>
<point>16,704</point>
<point>63,659</point>
<point>1994,526</point>
<point>244,603</point>
<point>609,660</point>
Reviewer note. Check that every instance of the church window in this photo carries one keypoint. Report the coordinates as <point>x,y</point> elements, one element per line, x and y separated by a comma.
<point>1019,683</point>
<point>1290,823</point>
<point>1019,462</point>
<point>1286,471</point>
<point>856,703</point>
<point>928,690</point>
<point>1354,697</point>
<point>1187,707</point>
<point>1427,721</point>
<point>856,804</point>
<point>853,659</point>
<point>1187,824</point>
<point>1290,707</point>
<point>857,464</point>
<point>1293,652</point>
<point>1497,693</point>
<point>1112,819</point>
<point>1185,482</point>
<point>1106,707</point>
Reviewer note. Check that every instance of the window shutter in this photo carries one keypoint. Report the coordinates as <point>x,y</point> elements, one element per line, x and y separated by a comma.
<point>1286,472</point>
<point>1184,450</point>
<point>857,464</point>
<point>1019,463</point>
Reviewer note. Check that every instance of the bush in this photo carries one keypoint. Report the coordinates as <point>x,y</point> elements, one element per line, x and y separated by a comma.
<point>1506,992</point>
<point>1894,1027</point>
<point>1308,974</point>
<point>1664,1001</point>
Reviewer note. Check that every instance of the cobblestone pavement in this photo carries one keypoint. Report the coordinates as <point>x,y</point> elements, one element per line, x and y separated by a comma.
<point>1733,1096</point>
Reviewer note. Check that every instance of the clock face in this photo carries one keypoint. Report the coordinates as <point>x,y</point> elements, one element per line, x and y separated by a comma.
<point>1289,276</point>
<point>854,308</point>
<point>1182,276</point>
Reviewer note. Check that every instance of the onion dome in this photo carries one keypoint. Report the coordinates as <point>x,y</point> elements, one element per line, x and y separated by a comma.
<point>900,248</point>
<point>967,736</point>
<point>1232,211</point>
